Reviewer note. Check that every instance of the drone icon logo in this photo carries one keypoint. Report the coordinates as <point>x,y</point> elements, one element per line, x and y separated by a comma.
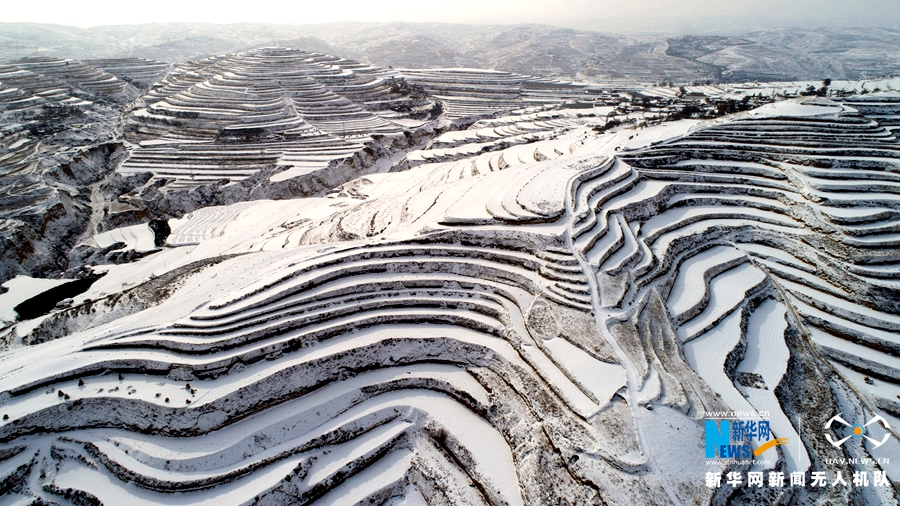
<point>857,431</point>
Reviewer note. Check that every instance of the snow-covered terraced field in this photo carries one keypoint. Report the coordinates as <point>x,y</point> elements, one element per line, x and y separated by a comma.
<point>29,84</point>
<point>792,172</point>
<point>295,112</point>
<point>534,323</point>
<point>139,70</point>
<point>230,117</point>
<point>75,73</point>
<point>475,92</point>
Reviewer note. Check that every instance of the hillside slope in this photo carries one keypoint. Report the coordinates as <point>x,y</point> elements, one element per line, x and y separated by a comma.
<point>544,321</point>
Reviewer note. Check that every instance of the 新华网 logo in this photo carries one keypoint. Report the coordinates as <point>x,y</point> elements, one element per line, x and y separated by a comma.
<point>731,439</point>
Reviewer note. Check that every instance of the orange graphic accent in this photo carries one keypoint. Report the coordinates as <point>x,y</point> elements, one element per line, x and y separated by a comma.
<point>770,444</point>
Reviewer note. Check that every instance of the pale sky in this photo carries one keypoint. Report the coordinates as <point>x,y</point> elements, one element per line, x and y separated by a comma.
<point>585,14</point>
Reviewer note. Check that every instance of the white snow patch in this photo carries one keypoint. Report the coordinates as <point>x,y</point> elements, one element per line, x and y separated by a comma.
<point>22,288</point>
<point>136,237</point>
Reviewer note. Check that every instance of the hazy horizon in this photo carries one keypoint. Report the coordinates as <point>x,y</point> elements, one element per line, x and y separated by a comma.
<point>688,16</point>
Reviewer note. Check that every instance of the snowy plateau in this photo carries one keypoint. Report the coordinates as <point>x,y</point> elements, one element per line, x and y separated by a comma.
<point>277,276</point>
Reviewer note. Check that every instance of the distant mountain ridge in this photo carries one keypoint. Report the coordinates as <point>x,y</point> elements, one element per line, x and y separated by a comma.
<point>771,54</point>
